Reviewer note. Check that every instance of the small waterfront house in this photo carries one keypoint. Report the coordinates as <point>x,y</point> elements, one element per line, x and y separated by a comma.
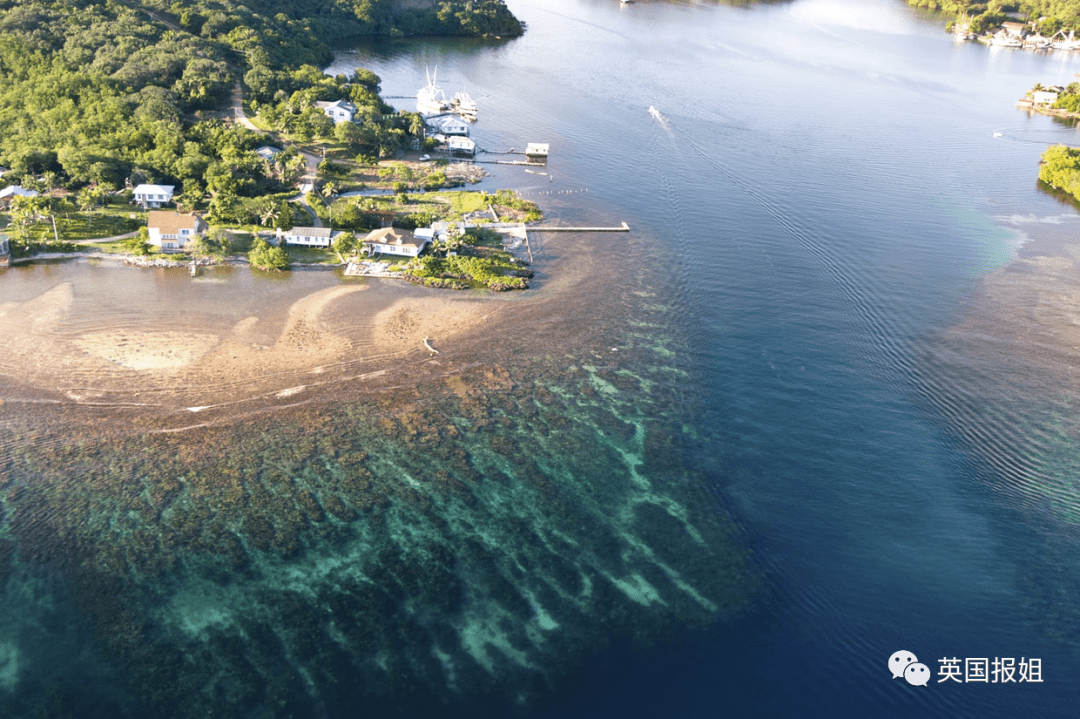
<point>340,111</point>
<point>267,152</point>
<point>1043,97</point>
<point>392,241</point>
<point>449,125</point>
<point>10,192</point>
<point>5,250</point>
<point>170,230</point>
<point>461,146</point>
<point>1014,28</point>
<point>153,195</point>
<point>307,236</point>
<point>536,151</point>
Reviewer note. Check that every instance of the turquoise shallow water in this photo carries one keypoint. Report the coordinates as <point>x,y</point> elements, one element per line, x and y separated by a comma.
<point>814,409</point>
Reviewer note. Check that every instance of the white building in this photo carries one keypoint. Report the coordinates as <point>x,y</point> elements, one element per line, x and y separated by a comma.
<point>461,146</point>
<point>449,125</point>
<point>340,111</point>
<point>10,192</point>
<point>267,152</point>
<point>1043,97</point>
<point>392,241</point>
<point>307,236</point>
<point>153,195</point>
<point>171,231</point>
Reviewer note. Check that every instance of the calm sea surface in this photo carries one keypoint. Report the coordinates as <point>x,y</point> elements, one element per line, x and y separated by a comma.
<point>817,407</point>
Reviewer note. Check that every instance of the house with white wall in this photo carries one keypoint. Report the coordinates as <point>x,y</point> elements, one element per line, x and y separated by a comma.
<point>392,241</point>
<point>172,231</point>
<point>153,195</point>
<point>340,111</point>
<point>306,236</point>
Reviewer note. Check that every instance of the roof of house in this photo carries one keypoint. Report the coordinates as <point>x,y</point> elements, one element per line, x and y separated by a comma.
<point>154,189</point>
<point>536,148</point>
<point>309,232</point>
<point>171,222</point>
<point>341,104</point>
<point>393,236</point>
<point>460,143</point>
<point>16,191</point>
<point>266,151</point>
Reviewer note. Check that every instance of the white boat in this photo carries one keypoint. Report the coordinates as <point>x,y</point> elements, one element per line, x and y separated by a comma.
<point>430,99</point>
<point>655,113</point>
<point>462,104</point>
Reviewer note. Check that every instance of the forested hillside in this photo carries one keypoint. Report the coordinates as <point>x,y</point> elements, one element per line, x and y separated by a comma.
<point>1058,14</point>
<point>103,93</point>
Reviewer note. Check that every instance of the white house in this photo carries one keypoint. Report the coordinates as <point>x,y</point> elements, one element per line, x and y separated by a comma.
<point>307,236</point>
<point>10,192</point>
<point>449,125</point>
<point>267,152</point>
<point>340,111</point>
<point>1043,97</point>
<point>170,230</point>
<point>391,241</point>
<point>461,146</point>
<point>153,195</point>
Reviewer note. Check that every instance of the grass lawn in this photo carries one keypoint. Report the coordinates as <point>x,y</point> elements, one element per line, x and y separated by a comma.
<point>79,226</point>
<point>310,255</point>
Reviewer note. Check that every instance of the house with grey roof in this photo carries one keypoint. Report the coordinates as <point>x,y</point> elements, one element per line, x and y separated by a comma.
<point>307,236</point>
<point>340,111</point>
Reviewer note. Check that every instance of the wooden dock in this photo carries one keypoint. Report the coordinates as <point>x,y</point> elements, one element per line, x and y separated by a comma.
<point>551,228</point>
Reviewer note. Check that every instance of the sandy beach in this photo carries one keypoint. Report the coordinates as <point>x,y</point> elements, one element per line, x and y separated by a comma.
<point>330,333</point>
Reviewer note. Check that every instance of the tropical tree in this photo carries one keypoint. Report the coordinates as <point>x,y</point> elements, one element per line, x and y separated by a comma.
<point>269,214</point>
<point>264,256</point>
<point>345,244</point>
<point>140,243</point>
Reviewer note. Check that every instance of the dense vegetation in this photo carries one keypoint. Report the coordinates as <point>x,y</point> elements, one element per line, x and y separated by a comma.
<point>1060,169</point>
<point>1052,15</point>
<point>107,93</point>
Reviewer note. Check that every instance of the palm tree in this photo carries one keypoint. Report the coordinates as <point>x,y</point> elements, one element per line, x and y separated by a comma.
<point>86,198</point>
<point>270,214</point>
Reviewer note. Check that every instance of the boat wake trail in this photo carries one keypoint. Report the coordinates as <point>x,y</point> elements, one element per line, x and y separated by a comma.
<point>661,121</point>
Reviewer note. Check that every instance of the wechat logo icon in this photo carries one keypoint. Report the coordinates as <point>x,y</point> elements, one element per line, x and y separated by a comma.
<point>905,664</point>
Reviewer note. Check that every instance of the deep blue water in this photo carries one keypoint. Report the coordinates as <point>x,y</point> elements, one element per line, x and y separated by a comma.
<point>835,181</point>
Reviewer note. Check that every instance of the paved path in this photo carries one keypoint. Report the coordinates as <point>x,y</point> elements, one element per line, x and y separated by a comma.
<point>238,109</point>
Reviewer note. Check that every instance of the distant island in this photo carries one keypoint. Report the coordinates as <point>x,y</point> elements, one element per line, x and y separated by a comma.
<point>994,22</point>
<point>1056,100</point>
<point>1060,169</point>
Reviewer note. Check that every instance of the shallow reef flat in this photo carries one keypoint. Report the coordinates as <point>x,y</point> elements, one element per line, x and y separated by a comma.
<point>476,523</point>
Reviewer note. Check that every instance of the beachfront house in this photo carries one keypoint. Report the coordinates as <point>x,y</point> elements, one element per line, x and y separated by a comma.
<point>10,192</point>
<point>392,241</point>
<point>1043,97</point>
<point>171,231</point>
<point>306,236</point>
<point>340,111</point>
<point>153,195</point>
